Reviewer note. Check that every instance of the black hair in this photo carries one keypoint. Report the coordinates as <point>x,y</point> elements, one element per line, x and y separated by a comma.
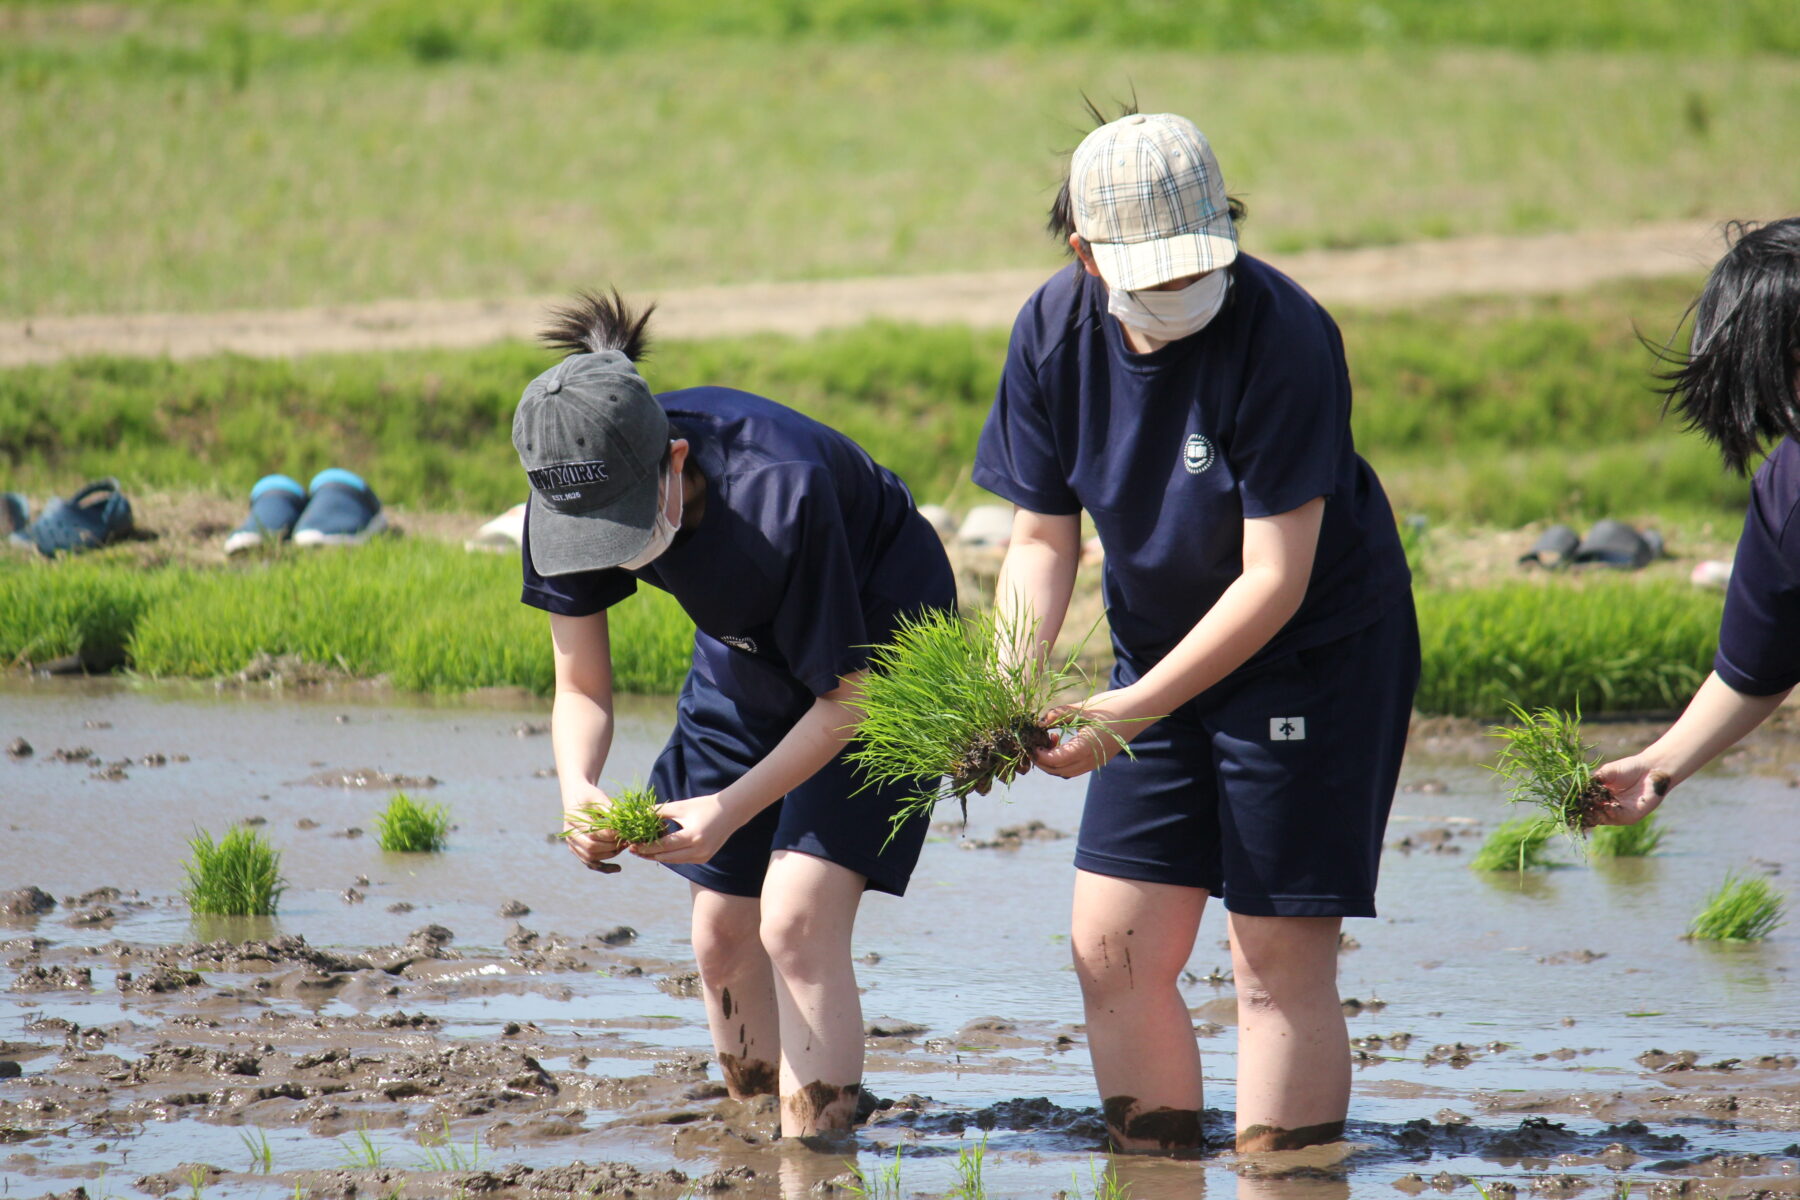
<point>596,322</point>
<point>1062,209</point>
<point>1739,382</point>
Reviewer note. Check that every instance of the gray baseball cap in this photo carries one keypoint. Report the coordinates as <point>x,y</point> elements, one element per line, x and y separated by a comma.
<point>591,438</point>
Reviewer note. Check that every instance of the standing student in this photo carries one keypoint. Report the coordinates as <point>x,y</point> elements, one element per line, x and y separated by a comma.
<point>793,551</point>
<point>1194,402</point>
<point>1739,385</point>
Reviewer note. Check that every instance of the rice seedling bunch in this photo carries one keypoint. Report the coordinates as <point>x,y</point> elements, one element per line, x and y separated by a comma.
<point>944,710</point>
<point>1744,909</point>
<point>1626,841</point>
<point>631,817</point>
<point>409,826</point>
<point>1551,768</point>
<point>1516,845</point>
<point>237,876</point>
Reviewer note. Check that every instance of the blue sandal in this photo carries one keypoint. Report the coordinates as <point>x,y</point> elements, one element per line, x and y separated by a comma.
<point>91,518</point>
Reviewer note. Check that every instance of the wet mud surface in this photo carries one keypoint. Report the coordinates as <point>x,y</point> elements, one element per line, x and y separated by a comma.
<point>1546,1036</point>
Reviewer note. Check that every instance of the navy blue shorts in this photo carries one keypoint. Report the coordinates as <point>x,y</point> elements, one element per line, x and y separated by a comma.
<point>1271,789</point>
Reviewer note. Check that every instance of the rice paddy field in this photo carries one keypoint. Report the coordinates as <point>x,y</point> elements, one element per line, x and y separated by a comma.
<point>442,1002</point>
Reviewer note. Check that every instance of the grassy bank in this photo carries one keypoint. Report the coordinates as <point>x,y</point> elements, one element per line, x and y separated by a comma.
<point>174,166</point>
<point>430,617</point>
<point>1479,412</point>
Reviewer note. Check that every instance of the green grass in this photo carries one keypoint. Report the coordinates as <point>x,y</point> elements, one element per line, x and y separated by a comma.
<point>1612,644</point>
<point>426,616</point>
<point>1478,412</point>
<point>631,817</point>
<point>237,876</point>
<point>175,167</point>
<point>229,37</point>
<point>944,712</point>
<point>407,825</point>
<point>1743,909</point>
<point>1637,840</point>
<point>1549,768</point>
<point>1520,844</point>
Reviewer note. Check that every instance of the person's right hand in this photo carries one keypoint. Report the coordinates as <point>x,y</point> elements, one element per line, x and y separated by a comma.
<point>593,849</point>
<point>1637,788</point>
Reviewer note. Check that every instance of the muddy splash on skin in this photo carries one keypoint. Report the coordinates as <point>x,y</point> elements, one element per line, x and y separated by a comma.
<point>821,1110</point>
<point>747,1077</point>
<point>1176,1130</point>
<point>1273,1137</point>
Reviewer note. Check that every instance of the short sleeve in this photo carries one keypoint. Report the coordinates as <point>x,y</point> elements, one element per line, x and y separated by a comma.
<point>1759,636</point>
<point>1293,414</point>
<point>1016,457</point>
<point>818,624</point>
<point>579,595</point>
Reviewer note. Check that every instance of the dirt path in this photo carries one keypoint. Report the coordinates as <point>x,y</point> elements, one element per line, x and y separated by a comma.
<point>1376,277</point>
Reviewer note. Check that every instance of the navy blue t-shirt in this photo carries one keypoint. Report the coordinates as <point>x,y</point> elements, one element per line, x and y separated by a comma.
<point>809,551</point>
<point>1170,451</point>
<point>1759,638</point>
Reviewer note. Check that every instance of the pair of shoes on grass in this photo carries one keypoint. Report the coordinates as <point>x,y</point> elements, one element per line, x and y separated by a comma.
<point>336,509</point>
<point>96,515</point>
<point>1611,543</point>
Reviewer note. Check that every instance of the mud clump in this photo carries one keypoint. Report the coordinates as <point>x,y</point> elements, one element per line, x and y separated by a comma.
<point>27,901</point>
<point>367,779</point>
<point>1012,837</point>
<point>515,908</point>
<point>53,979</point>
<point>684,985</point>
<point>19,748</point>
<point>158,980</point>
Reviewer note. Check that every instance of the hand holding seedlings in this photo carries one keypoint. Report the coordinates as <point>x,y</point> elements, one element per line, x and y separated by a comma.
<point>1634,789</point>
<point>1087,735</point>
<point>1551,768</point>
<point>696,828</point>
<point>598,828</point>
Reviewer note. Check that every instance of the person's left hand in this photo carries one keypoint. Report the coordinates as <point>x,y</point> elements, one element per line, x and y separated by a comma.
<point>1077,753</point>
<point>705,824</point>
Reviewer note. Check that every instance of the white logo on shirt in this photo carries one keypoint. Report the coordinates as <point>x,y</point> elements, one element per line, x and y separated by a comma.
<point>747,645</point>
<point>1287,729</point>
<point>1197,454</point>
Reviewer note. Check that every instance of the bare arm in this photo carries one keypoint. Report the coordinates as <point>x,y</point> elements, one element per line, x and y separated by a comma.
<point>1714,720</point>
<point>816,738</point>
<point>1037,577</point>
<point>581,723</point>
<point>1278,559</point>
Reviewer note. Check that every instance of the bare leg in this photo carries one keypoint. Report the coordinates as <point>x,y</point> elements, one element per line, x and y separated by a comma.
<point>1131,940</point>
<point>739,989</point>
<point>808,910</point>
<point>1293,1048</point>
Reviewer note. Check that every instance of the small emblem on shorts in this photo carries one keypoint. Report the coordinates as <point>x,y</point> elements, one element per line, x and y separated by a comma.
<point>747,645</point>
<point>1196,454</point>
<point>1287,729</point>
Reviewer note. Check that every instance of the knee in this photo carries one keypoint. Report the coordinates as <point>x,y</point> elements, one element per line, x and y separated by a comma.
<point>796,947</point>
<point>1116,965</point>
<point>726,947</point>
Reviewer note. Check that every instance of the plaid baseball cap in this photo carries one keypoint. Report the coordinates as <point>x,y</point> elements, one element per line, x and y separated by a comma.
<point>591,438</point>
<point>1149,201</point>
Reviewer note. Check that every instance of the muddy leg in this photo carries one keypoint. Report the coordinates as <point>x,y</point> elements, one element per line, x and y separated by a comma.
<point>1130,941</point>
<point>808,911</point>
<point>1293,1048</point>
<point>739,989</point>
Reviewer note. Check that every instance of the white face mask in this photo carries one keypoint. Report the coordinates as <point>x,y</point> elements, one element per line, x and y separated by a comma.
<point>662,533</point>
<point>1170,316</point>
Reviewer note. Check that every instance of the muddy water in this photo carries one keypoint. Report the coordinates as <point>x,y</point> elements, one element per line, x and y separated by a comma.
<point>1553,1032</point>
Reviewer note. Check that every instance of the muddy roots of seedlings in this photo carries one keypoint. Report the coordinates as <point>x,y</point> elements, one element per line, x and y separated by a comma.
<point>1550,768</point>
<point>996,756</point>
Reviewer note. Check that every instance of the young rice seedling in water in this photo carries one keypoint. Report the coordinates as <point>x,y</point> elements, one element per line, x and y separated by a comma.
<point>884,1185</point>
<point>631,817</point>
<point>945,710</point>
<point>1549,767</point>
<point>238,876</point>
<point>409,826</point>
<point>1627,841</point>
<point>1516,845</point>
<point>1744,909</point>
